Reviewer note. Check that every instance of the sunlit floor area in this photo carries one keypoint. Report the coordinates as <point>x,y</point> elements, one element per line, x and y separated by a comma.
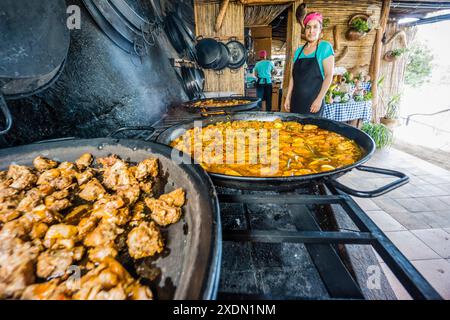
<point>416,217</point>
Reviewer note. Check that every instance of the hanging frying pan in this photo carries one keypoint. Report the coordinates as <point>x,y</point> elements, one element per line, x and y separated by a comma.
<point>200,78</point>
<point>185,12</point>
<point>224,59</point>
<point>182,25</point>
<point>197,85</point>
<point>172,32</point>
<point>192,89</point>
<point>188,42</point>
<point>238,54</point>
<point>157,10</point>
<point>208,52</point>
<point>107,28</point>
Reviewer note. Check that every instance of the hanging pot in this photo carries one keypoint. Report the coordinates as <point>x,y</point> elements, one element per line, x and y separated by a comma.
<point>184,27</point>
<point>389,57</point>
<point>185,11</point>
<point>224,59</point>
<point>188,39</point>
<point>353,34</point>
<point>157,10</point>
<point>238,54</point>
<point>208,52</point>
<point>175,38</point>
<point>195,84</point>
<point>190,84</point>
<point>200,78</point>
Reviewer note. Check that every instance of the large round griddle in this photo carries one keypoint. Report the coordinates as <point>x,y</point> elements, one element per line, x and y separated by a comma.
<point>191,269</point>
<point>364,141</point>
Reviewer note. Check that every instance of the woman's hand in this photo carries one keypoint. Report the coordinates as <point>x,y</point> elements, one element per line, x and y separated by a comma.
<point>316,105</point>
<point>287,104</point>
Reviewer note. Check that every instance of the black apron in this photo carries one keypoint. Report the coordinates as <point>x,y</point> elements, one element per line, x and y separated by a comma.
<point>308,82</point>
<point>264,92</point>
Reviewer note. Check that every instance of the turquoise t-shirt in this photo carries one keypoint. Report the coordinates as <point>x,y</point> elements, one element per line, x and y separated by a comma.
<point>324,51</point>
<point>264,69</point>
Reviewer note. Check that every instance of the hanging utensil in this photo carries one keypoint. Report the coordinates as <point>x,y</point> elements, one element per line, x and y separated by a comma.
<point>238,54</point>
<point>224,60</point>
<point>208,52</point>
<point>175,38</point>
<point>7,114</point>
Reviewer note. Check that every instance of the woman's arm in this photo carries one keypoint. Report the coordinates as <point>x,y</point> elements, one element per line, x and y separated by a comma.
<point>328,67</point>
<point>287,102</point>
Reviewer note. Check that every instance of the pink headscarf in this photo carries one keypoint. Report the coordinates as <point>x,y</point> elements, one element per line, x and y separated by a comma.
<point>262,54</point>
<point>312,16</point>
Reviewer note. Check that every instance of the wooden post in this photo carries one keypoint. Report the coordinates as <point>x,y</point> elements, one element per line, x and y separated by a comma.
<point>293,41</point>
<point>376,60</point>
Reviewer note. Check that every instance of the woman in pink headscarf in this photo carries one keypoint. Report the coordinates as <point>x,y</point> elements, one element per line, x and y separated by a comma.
<point>312,72</point>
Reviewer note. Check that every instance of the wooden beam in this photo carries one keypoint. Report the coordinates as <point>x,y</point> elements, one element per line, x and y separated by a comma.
<point>221,16</point>
<point>265,2</point>
<point>376,61</point>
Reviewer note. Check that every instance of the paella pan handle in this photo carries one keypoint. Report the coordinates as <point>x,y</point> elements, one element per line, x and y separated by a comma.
<point>7,114</point>
<point>134,128</point>
<point>403,179</point>
<point>55,140</point>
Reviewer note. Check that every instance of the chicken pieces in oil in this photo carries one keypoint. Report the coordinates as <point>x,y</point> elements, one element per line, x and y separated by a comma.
<point>167,209</point>
<point>145,240</point>
<point>57,216</point>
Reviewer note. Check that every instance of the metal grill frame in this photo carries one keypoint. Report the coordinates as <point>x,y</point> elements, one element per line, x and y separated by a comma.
<point>369,234</point>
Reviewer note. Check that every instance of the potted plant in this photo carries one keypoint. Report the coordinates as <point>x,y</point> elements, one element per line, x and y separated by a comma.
<point>381,134</point>
<point>393,55</point>
<point>348,77</point>
<point>390,119</point>
<point>368,96</point>
<point>359,26</point>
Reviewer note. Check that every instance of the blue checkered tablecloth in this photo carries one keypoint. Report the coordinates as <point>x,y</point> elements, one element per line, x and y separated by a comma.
<point>351,110</point>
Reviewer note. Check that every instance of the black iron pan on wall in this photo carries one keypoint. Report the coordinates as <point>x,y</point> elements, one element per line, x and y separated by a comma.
<point>238,54</point>
<point>216,55</point>
<point>208,52</point>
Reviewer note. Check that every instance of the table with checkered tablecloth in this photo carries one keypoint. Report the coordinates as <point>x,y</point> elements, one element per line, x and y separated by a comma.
<point>348,111</point>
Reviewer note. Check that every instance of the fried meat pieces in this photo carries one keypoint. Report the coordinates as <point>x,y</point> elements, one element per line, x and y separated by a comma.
<point>57,216</point>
